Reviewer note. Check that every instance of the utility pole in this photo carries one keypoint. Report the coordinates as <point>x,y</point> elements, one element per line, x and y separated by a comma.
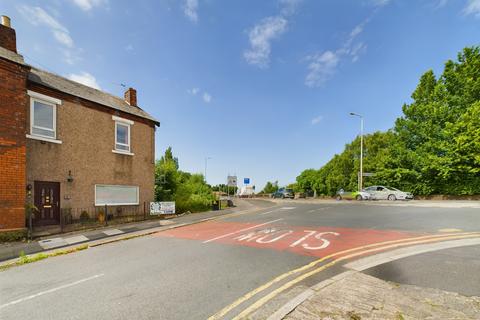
<point>206,160</point>
<point>360,178</point>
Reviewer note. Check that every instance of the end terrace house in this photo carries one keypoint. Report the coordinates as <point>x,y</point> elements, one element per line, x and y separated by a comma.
<point>66,145</point>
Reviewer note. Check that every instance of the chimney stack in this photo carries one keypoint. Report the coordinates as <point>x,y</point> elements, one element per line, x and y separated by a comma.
<point>131,97</point>
<point>8,38</point>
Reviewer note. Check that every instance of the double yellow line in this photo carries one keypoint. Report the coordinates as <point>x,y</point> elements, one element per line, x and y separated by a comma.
<point>344,255</point>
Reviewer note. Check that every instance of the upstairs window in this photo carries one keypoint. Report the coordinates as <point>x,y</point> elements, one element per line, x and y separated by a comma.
<point>43,115</point>
<point>43,119</point>
<point>122,135</point>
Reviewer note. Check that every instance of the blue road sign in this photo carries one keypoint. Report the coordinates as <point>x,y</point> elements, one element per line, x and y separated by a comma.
<point>246,180</point>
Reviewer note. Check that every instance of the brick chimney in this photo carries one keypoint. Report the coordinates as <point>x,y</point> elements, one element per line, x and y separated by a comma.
<point>14,104</point>
<point>8,39</point>
<point>131,97</point>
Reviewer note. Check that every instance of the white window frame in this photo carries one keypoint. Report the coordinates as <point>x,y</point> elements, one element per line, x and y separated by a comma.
<point>127,123</point>
<point>49,101</point>
<point>116,204</point>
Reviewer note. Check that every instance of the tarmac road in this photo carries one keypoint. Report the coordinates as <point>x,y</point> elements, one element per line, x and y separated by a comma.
<point>193,272</point>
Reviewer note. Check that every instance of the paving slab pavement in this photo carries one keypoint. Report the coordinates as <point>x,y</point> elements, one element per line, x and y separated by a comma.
<point>12,250</point>
<point>355,295</point>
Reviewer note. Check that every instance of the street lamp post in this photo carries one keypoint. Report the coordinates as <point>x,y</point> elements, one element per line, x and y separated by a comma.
<point>206,160</point>
<point>360,178</point>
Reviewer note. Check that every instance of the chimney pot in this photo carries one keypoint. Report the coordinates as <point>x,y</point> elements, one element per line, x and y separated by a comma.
<point>5,21</point>
<point>8,38</point>
<point>131,97</point>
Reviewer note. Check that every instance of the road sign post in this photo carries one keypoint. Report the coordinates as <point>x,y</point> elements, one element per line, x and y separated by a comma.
<point>231,182</point>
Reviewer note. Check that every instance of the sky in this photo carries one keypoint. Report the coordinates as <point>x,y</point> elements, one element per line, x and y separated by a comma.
<point>262,88</point>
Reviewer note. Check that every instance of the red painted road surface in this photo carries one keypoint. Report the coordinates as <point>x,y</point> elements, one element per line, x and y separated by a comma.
<point>309,241</point>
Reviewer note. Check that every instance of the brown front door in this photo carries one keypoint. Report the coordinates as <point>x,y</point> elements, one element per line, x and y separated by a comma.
<point>47,200</point>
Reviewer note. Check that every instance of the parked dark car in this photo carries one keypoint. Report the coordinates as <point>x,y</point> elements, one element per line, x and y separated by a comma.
<point>283,193</point>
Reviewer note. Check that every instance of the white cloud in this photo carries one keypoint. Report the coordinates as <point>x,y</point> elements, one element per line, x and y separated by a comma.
<point>129,47</point>
<point>260,37</point>
<point>472,7</point>
<point>380,3</point>
<point>357,50</point>
<point>193,91</point>
<point>64,38</point>
<point>87,5</point>
<point>71,56</point>
<point>267,30</point>
<point>322,65</point>
<point>317,120</point>
<point>39,17</point>
<point>85,78</point>
<point>321,68</point>
<point>441,3</point>
<point>289,7</point>
<point>356,31</point>
<point>190,9</point>
<point>207,97</point>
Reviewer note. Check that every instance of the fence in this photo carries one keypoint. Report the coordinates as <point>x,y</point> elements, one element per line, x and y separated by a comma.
<point>72,219</point>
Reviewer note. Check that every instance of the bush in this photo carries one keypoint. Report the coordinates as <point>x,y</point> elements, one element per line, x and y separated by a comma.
<point>84,217</point>
<point>14,235</point>
<point>189,191</point>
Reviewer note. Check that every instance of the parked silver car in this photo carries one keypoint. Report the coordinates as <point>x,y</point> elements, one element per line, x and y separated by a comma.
<point>387,193</point>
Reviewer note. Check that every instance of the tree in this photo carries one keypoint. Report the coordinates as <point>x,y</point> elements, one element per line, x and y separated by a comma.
<point>166,172</point>
<point>189,191</point>
<point>168,157</point>
<point>430,128</point>
<point>434,146</point>
<point>270,187</point>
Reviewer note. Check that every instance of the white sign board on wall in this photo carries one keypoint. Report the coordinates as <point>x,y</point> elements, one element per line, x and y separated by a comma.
<point>165,207</point>
<point>116,195</point>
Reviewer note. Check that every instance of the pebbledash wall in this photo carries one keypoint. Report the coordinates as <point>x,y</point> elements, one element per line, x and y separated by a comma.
<point>87,134</point>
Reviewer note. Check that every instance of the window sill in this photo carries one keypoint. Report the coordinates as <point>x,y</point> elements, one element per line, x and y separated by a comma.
<point>123,152</point>
<point>116,204</point>
<point>44,139</point>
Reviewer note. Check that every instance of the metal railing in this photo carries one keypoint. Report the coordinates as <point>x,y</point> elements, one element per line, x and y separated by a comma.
<point>72,219</point>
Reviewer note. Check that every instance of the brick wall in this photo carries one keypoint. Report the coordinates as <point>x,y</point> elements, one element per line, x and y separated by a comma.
<point>13,109</point>
<point>8,39</point>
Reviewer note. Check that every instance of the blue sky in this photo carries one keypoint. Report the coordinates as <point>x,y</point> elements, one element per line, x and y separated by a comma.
<point>264,88</point>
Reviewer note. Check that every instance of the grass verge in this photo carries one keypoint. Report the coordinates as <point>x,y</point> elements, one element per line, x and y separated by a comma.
<point>24,259</point>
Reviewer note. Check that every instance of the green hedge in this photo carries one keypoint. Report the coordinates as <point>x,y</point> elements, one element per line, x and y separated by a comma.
<point>13,235</point>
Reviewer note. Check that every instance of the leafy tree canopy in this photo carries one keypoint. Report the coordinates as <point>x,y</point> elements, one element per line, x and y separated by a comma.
<point>270,187</point>
<point>189,191</point>
<point>433,148</point>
